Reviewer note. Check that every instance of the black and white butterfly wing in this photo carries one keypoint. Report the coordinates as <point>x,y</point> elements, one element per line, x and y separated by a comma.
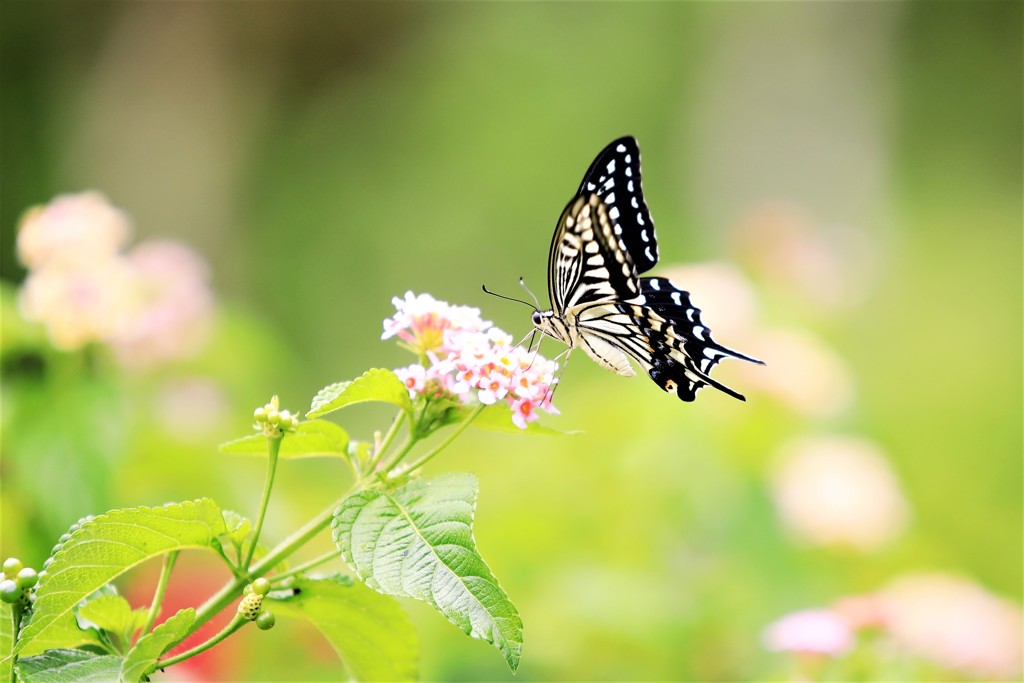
<point>614,176</point>
<point>683,351</point>
<point>603,241</point>
<point>588,262</point>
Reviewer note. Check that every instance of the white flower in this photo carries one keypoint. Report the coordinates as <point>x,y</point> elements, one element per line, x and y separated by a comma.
<point>838,491</point>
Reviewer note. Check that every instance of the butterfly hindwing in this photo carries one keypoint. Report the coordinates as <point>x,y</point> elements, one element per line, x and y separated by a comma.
<point>615,177</point>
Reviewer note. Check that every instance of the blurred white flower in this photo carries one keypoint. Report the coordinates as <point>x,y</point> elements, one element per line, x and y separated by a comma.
<point>801,372</point>
<point>828,266</point>
<point>192,408</point>
<point>469,359</point>
<point>79,303</point>
<point>811,631</point>
<point>725,296</point>
<point>838,491</point>
<point>72,228</point>
<point>172,308</point>
<point>956,623</point>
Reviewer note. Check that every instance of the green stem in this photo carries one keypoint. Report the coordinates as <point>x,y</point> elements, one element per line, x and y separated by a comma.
<point>386,442</point>
<point>402,452</point>
<point>222,598</point>
<point>273,448</point>
<point>161,588</point>
<point>238,622</point>
<point>15,629</point>
<point>326,557</point>
<point>441,446</point>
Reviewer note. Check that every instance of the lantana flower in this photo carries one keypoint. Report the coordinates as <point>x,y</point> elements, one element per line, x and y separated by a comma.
<point>467,359</point>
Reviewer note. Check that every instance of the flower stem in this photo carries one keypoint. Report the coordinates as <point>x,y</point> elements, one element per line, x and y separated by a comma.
<point>161,588</point>
<point>402,452</point>
<point>426,457</point>
<point>238,622</point>
<point>326,557</point>
<point>386,441</point>
<point>231,590</point>
<point>273,448</point>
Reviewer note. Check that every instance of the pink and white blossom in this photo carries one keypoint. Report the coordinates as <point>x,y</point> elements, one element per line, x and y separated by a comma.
<point>468,359</point>
<point>810,631</point>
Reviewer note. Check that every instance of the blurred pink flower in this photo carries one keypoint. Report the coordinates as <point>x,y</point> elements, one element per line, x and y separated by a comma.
<point>72,228</point>
<point>79,303</point>
<point>811,631</point>
<point>474,362</point>
<point>801,372</point>
<point>151,306</point>
<point>956,623</point>
<point>838,491</point>
<point>725,296</point>
<point>172,308</point>
<point>828,266</point>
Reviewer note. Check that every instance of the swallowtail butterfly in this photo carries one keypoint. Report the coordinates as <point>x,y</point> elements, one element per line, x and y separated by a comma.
<point>603,242</point>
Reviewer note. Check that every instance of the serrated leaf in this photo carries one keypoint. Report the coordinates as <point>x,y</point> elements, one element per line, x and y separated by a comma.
<point>417,541</point>
<point>113,614</point>
<point>152,646</point>
<point>373,385</point>
<point>109,545</point>
<point>69,666</point>
<point>238,527</point>
<point>312,439</point>
<point>371,633</point>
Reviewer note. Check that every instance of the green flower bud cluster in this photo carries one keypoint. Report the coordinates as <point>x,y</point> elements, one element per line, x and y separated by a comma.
<point>251,607</point>
<point>273,421</point>
<point>17,583</point>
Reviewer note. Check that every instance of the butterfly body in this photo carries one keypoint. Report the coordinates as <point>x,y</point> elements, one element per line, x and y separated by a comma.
<point>603,242</point>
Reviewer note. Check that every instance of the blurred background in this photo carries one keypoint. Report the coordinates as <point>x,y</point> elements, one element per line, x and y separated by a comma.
<point>838,185</point>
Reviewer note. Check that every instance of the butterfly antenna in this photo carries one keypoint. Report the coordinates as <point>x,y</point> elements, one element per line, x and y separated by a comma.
<point>502,296</point>
<point>522,283</point>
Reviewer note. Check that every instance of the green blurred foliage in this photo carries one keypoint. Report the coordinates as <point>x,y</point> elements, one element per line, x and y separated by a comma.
<point>327,156</point>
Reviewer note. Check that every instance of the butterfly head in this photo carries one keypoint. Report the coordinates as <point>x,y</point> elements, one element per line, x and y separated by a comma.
<point>553,326</point>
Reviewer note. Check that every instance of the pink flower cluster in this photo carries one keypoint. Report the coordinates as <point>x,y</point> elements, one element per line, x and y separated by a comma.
<point>467,358</point>
<point>150,305</point>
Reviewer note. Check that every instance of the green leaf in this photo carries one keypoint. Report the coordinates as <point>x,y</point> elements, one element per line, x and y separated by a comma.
<point>113,614</point>
<point>314,438</point>
<point>69,666</point>
<point>373,385</point>
<point>109,545</point>
<point>153,645</point>
<point>417,541</point>
<point>371,633</point>
<point>6,641</point>
<point>238,527</point>
<point>498,417</point>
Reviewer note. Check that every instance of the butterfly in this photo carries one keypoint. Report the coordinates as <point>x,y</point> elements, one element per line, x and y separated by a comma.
<point>603,241</point>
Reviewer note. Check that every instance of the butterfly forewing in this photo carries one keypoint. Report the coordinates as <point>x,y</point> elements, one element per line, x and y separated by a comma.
<point>588,262</point>
<point>615,177</point>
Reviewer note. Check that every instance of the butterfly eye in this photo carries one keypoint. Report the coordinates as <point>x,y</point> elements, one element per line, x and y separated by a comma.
<point>536,318</point>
